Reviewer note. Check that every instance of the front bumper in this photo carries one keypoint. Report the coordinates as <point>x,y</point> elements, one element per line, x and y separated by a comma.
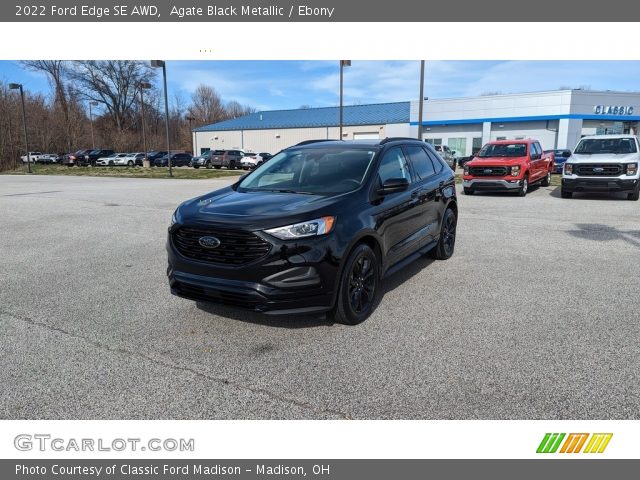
<point>487,185</point>
<point>292,278</point>
<point>581,184</point>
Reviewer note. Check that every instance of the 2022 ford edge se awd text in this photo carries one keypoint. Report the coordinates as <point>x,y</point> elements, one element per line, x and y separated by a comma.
<point>316,228</point>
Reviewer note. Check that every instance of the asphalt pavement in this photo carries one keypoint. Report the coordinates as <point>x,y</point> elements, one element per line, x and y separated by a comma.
<point>536,316</point>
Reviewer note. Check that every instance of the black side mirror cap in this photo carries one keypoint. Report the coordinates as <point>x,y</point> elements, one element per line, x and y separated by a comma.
<point>393,185</point>
<point>566,153</point>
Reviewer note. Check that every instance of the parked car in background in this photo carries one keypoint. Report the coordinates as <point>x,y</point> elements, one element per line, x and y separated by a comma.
<point>49,158</point>
<point>135,158</point>
<point>92,157</point>
<point>559,158</point>
<point>320,239</point>
<point>603,163</point>
<point>253,160</point>
<point>448,155</point>
<point>112,160</point>
<point>230,159</point>
<point>177,160</point>
<point>154,155</point>
<point>76,158</point>
<point>204,160</point>
<point>508,165</point>
<point>462,160</point>
<point>33,157</point>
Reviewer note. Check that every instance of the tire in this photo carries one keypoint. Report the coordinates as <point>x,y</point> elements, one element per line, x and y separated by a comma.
<point>565,194</point>
<point>447,239</point>
<point>358,286</point>
<point>524,187</point>
<point>217,167</point>
<point>111,163</point>
<point>208,165</point>
<point>546,181</point>
<point>635,195</point>
<point>196,166</point>
<point>130,163</point>
<point>468,191</point>
<point>232,165</point>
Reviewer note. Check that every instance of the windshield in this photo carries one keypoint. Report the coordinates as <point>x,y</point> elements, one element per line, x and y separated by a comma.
<point>318,171</point>
<point>606,145</point>
<point>503,150</point>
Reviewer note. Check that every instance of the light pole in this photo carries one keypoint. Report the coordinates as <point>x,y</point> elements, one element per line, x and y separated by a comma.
<point>162,64</point>
<point>343,63</point>
<point>143,85</point>
<point>93,140</point>
<point>18,86</point>
<point>420,105</point>
<point>190,119</point>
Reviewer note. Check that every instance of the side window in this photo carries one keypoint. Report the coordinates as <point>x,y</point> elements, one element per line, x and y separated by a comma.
<point>436,160</point>
<point>421,162</point>
<point>393,165</point>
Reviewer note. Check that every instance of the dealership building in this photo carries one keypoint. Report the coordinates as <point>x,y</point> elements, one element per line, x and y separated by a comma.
<point>558,119</point>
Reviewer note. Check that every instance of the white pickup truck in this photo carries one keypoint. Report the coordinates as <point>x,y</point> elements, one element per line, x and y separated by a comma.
<point>34,157</point>
<point>603,163</point>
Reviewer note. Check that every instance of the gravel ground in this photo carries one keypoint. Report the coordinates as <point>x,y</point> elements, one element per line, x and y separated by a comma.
<point>535,317</point>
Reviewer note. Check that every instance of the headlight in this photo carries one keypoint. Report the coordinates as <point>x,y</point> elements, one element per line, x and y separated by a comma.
<point>515,170</point>
<point>632,168</point>
<point>466,169</point>
<point>568,169</point>
<point>311,228</point>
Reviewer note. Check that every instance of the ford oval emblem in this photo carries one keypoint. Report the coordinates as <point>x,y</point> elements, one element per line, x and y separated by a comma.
<point>209,242</point>
<point>488,170</point>
<point>598,169</point>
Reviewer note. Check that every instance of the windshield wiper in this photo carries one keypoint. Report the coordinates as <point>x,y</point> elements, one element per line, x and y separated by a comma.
<point>281,190</point>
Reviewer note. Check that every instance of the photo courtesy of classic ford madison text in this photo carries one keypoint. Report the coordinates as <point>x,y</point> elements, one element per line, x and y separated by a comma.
<point>340,239</point>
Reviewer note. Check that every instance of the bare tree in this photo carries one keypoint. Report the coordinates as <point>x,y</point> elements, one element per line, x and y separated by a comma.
<point>235,110</point>
<point>206,106</point>
<point>112,83</point>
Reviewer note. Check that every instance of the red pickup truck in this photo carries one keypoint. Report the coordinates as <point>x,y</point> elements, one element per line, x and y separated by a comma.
<point>508,165</point>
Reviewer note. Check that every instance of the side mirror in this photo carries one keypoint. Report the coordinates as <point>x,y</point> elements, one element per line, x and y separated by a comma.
<point>566,153</point>
<point>393,185</point>
<point>453,152</point>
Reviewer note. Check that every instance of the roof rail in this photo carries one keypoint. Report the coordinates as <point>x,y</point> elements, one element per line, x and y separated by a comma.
<point>307,142</point>
<point>394,139</point>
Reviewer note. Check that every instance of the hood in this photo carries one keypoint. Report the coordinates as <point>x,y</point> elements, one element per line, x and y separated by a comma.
<point>604,158</point>
<point>252,210</point>
<point>487,161</point>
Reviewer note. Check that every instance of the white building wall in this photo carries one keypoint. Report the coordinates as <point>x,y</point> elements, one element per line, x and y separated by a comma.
<point>274,140</point>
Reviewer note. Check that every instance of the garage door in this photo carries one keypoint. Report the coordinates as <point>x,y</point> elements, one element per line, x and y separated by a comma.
<point>366,136</point>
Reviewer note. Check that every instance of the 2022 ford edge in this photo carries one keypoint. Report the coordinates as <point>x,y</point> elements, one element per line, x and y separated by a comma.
<point>316,228</point>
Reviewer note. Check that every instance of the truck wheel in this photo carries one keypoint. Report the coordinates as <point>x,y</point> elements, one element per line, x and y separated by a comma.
<point>565,194</point>
<point>130,163</point>
<point>635,195</point>
<point>468,191</point>
<point>232,165</point>
<point>358,287</point>
<point>524,186</point>
<point>208,165</point>
<point>547,180</point>
<point>447,240</point>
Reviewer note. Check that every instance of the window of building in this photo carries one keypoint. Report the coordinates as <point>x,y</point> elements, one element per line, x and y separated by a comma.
<point>433,141</point>
<point>458,145</point>
<point>476,145</point>
<point>501,138</point>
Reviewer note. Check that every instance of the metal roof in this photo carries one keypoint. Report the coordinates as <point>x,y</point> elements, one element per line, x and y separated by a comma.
<point>372,114</point>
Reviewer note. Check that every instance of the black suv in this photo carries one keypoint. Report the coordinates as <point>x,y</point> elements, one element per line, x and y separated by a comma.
<point>91,157</point>
<point>316,228</point>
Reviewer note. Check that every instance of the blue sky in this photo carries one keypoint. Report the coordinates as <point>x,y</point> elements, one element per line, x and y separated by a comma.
<point>290,84</point>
